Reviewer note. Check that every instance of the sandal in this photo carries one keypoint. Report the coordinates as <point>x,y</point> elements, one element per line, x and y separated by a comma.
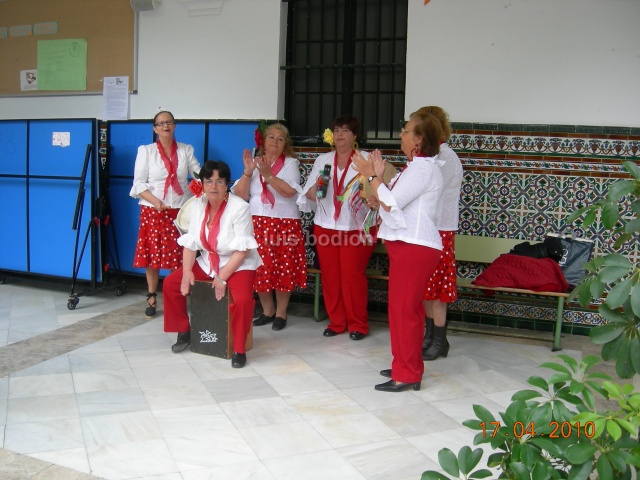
<point>150,312</point>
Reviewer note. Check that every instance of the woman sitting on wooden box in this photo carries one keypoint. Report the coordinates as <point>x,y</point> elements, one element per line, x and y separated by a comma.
<point>220,228</point>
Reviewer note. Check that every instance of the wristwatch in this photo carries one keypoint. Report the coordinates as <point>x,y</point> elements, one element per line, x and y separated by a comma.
<point>222,281</point>
<point>371,178</point>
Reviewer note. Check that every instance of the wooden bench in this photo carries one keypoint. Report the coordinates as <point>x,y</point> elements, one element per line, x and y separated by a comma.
<point>469,248</point>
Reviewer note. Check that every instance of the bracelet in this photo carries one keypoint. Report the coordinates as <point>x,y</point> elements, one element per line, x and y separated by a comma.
<point>268,179</point>
<point>245,175</point>
<point>222,281</point>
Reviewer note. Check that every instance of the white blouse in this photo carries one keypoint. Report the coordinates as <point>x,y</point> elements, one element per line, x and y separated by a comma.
<point>236,233</point>
<point>449,203</point>
<point>150,174</point>
<point>324,208</point>
<point>283,207</point>
<point>413,199</point>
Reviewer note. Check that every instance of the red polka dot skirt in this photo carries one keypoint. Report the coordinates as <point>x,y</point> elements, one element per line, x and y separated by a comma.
<point>442,284</point>
<point>157,245</point>
<point>281,247</point>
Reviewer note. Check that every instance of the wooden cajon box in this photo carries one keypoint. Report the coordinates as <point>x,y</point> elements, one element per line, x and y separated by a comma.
<point>210,320</point>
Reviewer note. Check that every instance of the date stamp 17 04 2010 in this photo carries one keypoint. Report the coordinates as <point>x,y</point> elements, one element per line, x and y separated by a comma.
<point>558,430</point>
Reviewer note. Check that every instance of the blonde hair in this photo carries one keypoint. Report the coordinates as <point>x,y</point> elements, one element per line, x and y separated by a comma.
<point>443,118</point>
<point>288,143</point>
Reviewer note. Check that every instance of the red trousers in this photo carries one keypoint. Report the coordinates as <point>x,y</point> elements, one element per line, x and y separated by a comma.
<point>343,258</point>
<point>410,268</point>
<point>240,285</point>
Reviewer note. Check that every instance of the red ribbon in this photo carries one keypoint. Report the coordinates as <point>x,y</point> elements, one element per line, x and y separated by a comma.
<point>171,164</point>
<point>211,243</point>
<point>339,186</point>
<point>267,196</point>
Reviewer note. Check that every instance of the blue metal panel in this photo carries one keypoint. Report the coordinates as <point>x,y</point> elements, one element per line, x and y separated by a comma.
<point>124,140</point>
<point>51,237</point>
<point>125,214</point>
<point>13,224</point>
<point>46,159</point>
<point>227,140</point>
<point>13,147</point>
<point>193,134</point>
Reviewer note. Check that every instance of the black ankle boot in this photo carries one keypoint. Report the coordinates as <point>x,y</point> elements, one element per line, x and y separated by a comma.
<point>428,333</point>
<point>440,345</point>
<point>184,340</point>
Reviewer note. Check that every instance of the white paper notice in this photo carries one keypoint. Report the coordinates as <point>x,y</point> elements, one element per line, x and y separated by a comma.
<point>28,80</point>
<point>61,139</point>
<point>115,98</point>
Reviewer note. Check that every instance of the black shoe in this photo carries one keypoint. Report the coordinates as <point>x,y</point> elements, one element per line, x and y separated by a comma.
<point>238,360</point>
<point>428,333</point>
<point>386,373</point>
<point>439,347</point>
<point>329,333</point>
<point>278,324</point>
<point>355,335</point>
<point>184,340</point>
<point>393,386</point>
<point>150,311</point>
<point>263,320</point>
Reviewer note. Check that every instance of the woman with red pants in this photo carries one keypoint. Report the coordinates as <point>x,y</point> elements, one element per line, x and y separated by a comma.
<point>408,208</point>
<point>220,228</point>
<point>343,248</point>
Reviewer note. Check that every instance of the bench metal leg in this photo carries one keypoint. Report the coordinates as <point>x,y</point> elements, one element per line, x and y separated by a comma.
<point>558,330</point>
<point>316,298</point>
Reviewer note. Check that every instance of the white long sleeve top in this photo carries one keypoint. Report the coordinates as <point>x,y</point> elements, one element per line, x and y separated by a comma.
<point>236,233</point>
<point>413,198</point>
<point>150,174</point>
<point>449,202</point>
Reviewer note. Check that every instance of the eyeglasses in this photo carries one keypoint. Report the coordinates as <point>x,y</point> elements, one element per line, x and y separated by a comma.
<point>167,123</point>
<point>219,181</point>
<point>403,131</point>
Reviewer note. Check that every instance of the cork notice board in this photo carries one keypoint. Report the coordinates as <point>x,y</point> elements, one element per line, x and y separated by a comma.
<point>107,26</point>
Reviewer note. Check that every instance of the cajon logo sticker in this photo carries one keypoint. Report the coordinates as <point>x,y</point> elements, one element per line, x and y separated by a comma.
<point>208,337</point>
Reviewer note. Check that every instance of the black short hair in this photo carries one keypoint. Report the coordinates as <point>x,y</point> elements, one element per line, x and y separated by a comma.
<point>349,121</point>
<point>211,166</point>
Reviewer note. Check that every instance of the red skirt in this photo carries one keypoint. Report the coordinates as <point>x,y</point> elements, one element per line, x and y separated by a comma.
<point>157,245</point>
<point>442,284</point>
<point>281,247</point>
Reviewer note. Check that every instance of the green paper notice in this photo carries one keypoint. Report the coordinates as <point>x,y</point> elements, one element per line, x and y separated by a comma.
<point>62,64</point>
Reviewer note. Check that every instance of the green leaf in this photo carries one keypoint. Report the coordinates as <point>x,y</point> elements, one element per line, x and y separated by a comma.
<point>547,445</point>
<point>590,217</point>
<point>605,333</point>
<point>433,475</point>
<point>581,452</point>
<point>448,461</point>
<point>584,293</point>
<point>631,459</point>
<point>464,459</point>
<point>610,214</point>
<point>611,316</point>
<point>589,399</point>
<point>620,293</point>
<point>632,168</point>
<point>632,226</point>
<point>525,395</point>
<point>557,378</point>
<point>482,473</point>
<point>604,468</point>
<point>624,367</point>
<point>617,460</point>
<point>581,472</point>
<point>556,366</point>
<point>614,429</point>
<point>570,361</point>
<point>620,188</point>
<point>483,414</point>
<point>612,274</point>
<point>628,426</point>
<point>634,353</point>
<point>617,260</point>
<point>635,300</point>
<point>521,471</point>
<point>596,288</point>
<point>578,213</point>
<point>539,382</point>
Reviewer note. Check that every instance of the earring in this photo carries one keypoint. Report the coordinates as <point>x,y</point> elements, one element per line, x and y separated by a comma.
<point>355,145</point>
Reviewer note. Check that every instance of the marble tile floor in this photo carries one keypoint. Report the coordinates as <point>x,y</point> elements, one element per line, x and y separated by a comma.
<point>97,392</point>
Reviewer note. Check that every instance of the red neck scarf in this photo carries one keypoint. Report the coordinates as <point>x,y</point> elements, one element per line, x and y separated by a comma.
<point>338,186</point>
<point>171,164</point>
<point>210,242</point>
<point>267,196</point>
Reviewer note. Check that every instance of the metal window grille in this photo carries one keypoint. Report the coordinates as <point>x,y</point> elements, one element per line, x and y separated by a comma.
<point>345,57</point>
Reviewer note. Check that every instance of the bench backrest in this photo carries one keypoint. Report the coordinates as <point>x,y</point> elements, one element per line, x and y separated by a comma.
<point>472,248</point>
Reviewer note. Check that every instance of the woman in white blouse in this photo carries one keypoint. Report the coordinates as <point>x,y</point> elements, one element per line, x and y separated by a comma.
<point>408,207</point>
<point>270,183</point>
<point>160,185</point>
<point>343,248</point>
<point>220,228</point>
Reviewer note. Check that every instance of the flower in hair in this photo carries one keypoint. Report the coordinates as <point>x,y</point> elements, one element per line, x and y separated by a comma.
<point>258,135</point>
<point>327,136</point>
<point>196,187</point>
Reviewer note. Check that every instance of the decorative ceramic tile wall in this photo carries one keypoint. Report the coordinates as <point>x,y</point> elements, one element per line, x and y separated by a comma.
<point>521,181</point>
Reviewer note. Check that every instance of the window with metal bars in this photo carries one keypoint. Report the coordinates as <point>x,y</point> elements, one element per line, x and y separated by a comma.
<point>345,57</point>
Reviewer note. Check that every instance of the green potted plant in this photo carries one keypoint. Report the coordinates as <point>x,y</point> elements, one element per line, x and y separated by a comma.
<point>556,431</point>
